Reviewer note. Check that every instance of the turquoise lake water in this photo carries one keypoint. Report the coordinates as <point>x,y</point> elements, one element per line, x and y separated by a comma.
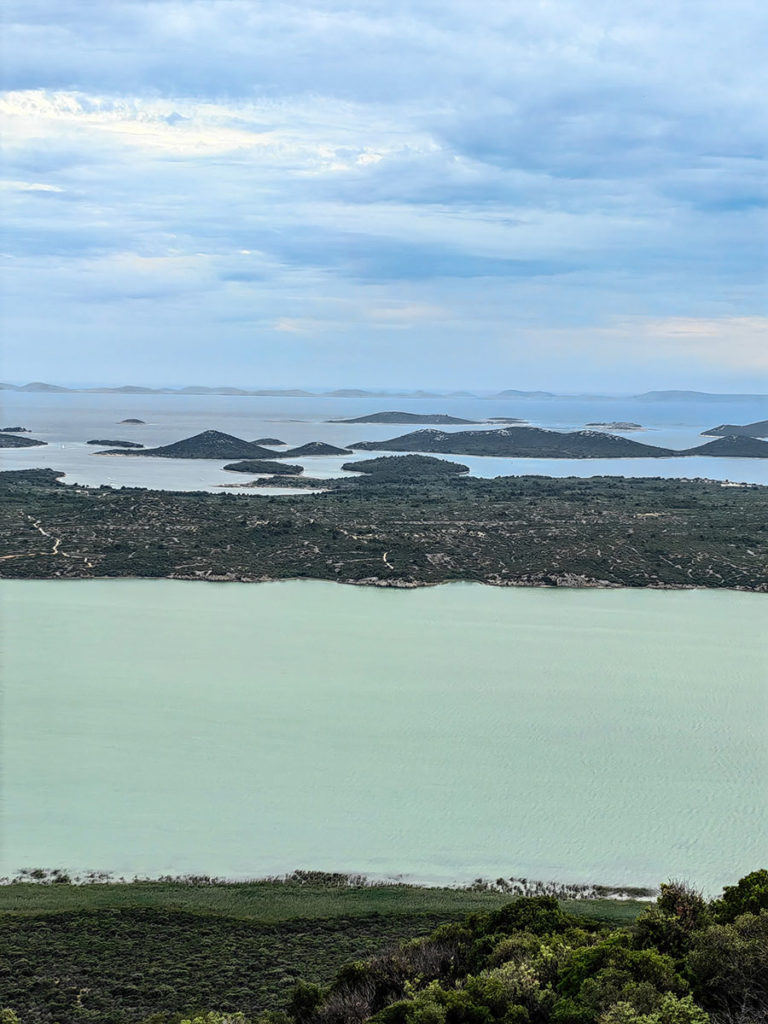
<point>442,734</point>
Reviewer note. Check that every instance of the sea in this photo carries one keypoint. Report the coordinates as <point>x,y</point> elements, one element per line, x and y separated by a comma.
<point>66,421</point>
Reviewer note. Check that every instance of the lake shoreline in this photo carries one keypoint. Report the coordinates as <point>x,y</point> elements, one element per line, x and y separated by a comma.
<point>569,582</point>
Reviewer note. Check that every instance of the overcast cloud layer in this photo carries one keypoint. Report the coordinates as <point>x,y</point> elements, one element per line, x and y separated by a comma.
<point>567,195</point>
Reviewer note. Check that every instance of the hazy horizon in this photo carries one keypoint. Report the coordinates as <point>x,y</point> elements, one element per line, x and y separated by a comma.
<point>374,390</point>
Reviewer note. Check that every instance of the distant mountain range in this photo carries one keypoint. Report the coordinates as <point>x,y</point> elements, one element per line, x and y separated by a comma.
<point>131,389</point>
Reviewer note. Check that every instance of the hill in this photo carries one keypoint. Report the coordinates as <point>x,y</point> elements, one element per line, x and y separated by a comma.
<point>406,417</point>
<point>311,448</point>
<point>210,444</point>
<point>758,429</point>
<point>519,442</point>
<point>732,447</point>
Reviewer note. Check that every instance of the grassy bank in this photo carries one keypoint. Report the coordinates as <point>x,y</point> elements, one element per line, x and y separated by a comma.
<point>272,902</point>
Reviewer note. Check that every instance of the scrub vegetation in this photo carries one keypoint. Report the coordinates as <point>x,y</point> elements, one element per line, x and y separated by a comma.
<point>385,530</point>
<point>317,949</point>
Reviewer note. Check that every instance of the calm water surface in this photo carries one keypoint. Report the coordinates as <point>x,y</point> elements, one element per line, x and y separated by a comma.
<point>445,733</point>
<point>67,421</point>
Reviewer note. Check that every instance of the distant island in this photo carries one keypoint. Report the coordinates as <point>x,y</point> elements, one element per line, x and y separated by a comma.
<point>14,441</point>
<point>617,425</point>
<point>260,466</point>
<point>406,417</point>
<point>268,440</point>
<point>286,392</point>
<point>15,430</point>
<point>758,429</point>
<point>117,444</point>
<point>131,419</point>
<point>519,442</point>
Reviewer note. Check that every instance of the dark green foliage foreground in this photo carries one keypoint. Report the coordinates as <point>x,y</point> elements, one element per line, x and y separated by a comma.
<point>604,531</point>
<point>528,961</point>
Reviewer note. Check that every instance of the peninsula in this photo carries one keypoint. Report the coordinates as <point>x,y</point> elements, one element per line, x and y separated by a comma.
<point>758,429</point>
<point>732,447</point>
<point>510,531</point>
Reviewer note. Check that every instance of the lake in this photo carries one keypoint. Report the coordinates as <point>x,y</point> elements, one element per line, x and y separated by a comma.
<point>440,734</point>
<point>67,421</point>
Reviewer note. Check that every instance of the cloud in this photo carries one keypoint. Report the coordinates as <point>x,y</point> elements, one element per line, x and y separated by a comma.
<point>571,171</point>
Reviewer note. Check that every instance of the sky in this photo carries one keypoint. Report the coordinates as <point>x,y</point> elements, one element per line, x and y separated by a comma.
<point>561,195</point>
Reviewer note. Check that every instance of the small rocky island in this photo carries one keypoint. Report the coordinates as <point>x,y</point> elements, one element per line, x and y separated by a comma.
<point>116,444</point>
<point>620,425</point>
<point>14,441</point>
<point>520,442</point>
<point>268,440</point>
<point>758,429</point>
<point>405,467</point>
<point>132,420</point>
<point>407,417</point>
<point>261,466</point>
<point>15,430</point>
